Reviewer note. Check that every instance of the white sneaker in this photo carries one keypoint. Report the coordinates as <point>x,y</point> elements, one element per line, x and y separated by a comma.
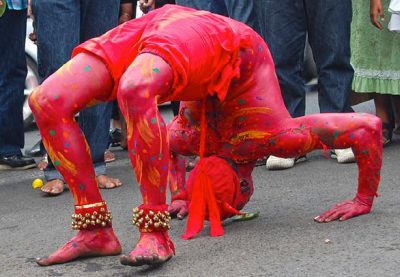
<point>276,163</point>
<point>343,155</point>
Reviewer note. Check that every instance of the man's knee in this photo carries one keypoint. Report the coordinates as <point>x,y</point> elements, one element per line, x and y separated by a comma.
<point>43,106</point>
<point>134,96</point>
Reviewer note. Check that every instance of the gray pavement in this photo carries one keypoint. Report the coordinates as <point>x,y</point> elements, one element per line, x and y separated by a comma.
<point>283,241</point>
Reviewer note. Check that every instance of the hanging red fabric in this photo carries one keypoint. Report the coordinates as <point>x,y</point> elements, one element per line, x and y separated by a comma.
<point>203,197</point>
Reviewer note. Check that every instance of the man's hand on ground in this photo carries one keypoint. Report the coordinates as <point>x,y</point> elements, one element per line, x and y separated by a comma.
<point>344,211</point>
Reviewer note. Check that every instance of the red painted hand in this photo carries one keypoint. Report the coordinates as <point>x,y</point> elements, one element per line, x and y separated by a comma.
<point>345,210</point>
<point>178,208</point>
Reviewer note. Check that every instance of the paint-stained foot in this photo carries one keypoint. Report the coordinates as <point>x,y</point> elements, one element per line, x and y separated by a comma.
<point>93,243</point>
<point>152,249</point>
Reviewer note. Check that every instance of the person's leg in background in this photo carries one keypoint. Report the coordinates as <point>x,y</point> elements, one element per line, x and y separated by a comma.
<point>396,106</point>
<point>12,82</point>
<point>383,106</point>
<point>243,11</point>
<point>329,36</point>
<point>58,27</point>
<point>329,25</point>
<point>196,4</point>
<point>96,19</point>
<point>284,28</point>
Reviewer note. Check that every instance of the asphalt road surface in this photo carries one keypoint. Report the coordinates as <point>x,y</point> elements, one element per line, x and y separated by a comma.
<point>283,241</point>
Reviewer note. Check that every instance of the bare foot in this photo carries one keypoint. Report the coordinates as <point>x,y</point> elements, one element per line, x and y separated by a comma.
<point>98,242</point>
<point>53,187</point>
<point>152,249</point>
<point>106,182</point>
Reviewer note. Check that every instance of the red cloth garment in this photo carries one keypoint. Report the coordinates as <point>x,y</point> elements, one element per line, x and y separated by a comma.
<point>170,32</point>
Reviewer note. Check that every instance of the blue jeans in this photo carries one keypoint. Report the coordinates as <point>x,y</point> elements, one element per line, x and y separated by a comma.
<point>285,25</point>
<point>240,10</point>
<point>12,81</point>
<point>61,25</point>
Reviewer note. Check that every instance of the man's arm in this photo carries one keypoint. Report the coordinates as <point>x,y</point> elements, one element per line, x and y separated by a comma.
<point>127,11</point>
<point>177,176</point>
<point>376,13</point>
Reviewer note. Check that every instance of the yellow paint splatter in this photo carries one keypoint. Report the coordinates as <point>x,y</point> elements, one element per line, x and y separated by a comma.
<point>252,110</point>
<point>248,135</point>
<point>145,131</point>
<point>138,169</point>
<point>92,103</point>
<point>57,156</point>
<point>146,69</point>
<point>154,176</point>
<point>66,68</point>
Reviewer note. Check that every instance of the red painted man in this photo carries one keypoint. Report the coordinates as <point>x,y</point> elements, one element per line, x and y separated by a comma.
<point>224,72</point>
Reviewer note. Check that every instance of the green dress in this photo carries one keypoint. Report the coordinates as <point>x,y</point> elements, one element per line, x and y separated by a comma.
<point>375,53</point>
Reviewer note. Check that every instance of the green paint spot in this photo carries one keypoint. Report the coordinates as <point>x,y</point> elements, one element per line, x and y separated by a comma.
<point>81,186</point>
<point>335,134</point>
<point>153,120</point>
<point>365,151</point>
<point>272,142</point>
<point>156,70</point>
<point>242,118</point>
<point>55,96</point>
<point>241,101</point>
<point>86,68</point>
<point>302,127</point>
<point>52,133</point>
<point>56,163</point>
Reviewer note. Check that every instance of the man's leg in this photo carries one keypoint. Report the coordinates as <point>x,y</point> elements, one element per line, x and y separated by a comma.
<point>148,79</point>
<point>12,82</point>
<point>329,36</point>
<point>83,80</point>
